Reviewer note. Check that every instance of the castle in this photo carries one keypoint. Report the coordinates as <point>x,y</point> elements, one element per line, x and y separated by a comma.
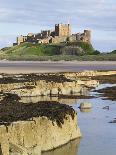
<point>61,33</point>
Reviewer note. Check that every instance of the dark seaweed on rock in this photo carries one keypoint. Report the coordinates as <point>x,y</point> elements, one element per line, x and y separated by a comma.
<point>59,78</point>
<point>109,93</point>
<point>105,78</point>
<point>75,97</point>
<point>8,97</point>
<point>12,111</point>
<point>113,121</point>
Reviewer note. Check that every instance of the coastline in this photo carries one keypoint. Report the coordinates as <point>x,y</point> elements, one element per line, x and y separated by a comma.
<point>32,115</point>
<point>17,67</point>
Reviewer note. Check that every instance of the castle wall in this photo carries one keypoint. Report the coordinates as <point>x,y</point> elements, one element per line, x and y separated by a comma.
<point>79,37</point>
<point>30,34</point>
<point>87,36</point>
<point>57,39</point>
<point>44,41</point>
<point>72,38</point>
<point>21,39</point>
<point>45,33</point>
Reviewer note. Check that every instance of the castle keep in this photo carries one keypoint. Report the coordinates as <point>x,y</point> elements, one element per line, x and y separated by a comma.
<point>61,33</point>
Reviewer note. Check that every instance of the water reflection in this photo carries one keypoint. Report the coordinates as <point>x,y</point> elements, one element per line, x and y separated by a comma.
<point>69,149</point>
<point>85,110</point>
<point>47,98</point>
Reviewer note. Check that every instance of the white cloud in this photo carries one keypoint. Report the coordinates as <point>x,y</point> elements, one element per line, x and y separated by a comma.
<point>97,15</point>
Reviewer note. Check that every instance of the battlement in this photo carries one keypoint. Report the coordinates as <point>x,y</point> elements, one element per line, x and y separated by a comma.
<point>62,30</point>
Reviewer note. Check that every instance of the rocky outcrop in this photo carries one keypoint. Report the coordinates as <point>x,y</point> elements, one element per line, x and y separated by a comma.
<point>62,85</point>
<point>88,74</point>
<point>40,134</point>
<point>30,128</point>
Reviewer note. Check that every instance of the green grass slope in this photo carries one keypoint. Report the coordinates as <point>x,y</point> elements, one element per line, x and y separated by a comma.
<point>62,51</point>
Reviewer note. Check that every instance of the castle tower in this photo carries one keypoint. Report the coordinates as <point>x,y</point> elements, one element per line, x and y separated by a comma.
<point>62,30</point>
<point>87,36</point>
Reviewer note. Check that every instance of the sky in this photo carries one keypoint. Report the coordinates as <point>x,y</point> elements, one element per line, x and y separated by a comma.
<point>23,16</point>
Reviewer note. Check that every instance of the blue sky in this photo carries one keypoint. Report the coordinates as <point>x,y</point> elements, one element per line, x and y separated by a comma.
<point>23,16</point>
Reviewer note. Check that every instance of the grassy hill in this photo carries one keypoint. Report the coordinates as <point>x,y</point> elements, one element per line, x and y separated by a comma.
<point>47,49</point>
<point>29,49</point>
<point>63,51</point>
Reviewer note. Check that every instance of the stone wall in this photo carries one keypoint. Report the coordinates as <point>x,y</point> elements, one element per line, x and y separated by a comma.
<point>81,37</point>
<point>58,39</point>
<point>21,39</point>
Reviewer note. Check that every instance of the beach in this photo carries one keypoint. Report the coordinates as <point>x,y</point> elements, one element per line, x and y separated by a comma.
<point>16,67</point>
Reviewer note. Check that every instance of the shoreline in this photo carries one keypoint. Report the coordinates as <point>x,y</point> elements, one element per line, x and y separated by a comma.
<point>16,67</point>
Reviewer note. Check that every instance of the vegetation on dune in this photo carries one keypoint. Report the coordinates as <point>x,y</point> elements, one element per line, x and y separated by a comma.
<point>113,52</point>
<point>101,57</point>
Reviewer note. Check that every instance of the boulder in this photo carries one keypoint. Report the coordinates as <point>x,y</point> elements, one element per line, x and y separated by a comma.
<point>85,105</point>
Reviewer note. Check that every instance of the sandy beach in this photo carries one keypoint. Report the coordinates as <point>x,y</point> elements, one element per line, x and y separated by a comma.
<point>48,66</point>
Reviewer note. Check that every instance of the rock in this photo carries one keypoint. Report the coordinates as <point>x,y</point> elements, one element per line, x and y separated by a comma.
<point>41,132</point>
<point>37,85</point>
<point>106,107</point>
<point>114,121</point>
<point>41,126</point>
<point>85,105</point>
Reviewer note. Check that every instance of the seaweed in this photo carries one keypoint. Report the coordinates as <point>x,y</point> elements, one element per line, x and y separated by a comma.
<point>11,110</point>
<point>108,92</point>
<point>75,97</point>
<point>48,77</point>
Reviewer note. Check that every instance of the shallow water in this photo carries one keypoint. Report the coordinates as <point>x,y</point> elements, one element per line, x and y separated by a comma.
<point>99,136</point>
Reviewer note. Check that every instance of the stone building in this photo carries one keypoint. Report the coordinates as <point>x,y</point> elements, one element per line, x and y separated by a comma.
<point>61,33</point>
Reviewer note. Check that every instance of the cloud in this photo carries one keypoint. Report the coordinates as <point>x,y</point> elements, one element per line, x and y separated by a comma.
<point>97,15</point>
<point>6,40</point>
<point>93,12</point>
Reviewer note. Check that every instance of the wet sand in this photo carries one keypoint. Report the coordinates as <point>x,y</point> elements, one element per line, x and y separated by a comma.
<point>61,66</point>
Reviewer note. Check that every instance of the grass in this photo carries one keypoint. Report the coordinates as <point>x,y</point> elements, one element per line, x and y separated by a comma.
<point>28,49</point>
<point>53,52</point>
<point>101,57</point>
